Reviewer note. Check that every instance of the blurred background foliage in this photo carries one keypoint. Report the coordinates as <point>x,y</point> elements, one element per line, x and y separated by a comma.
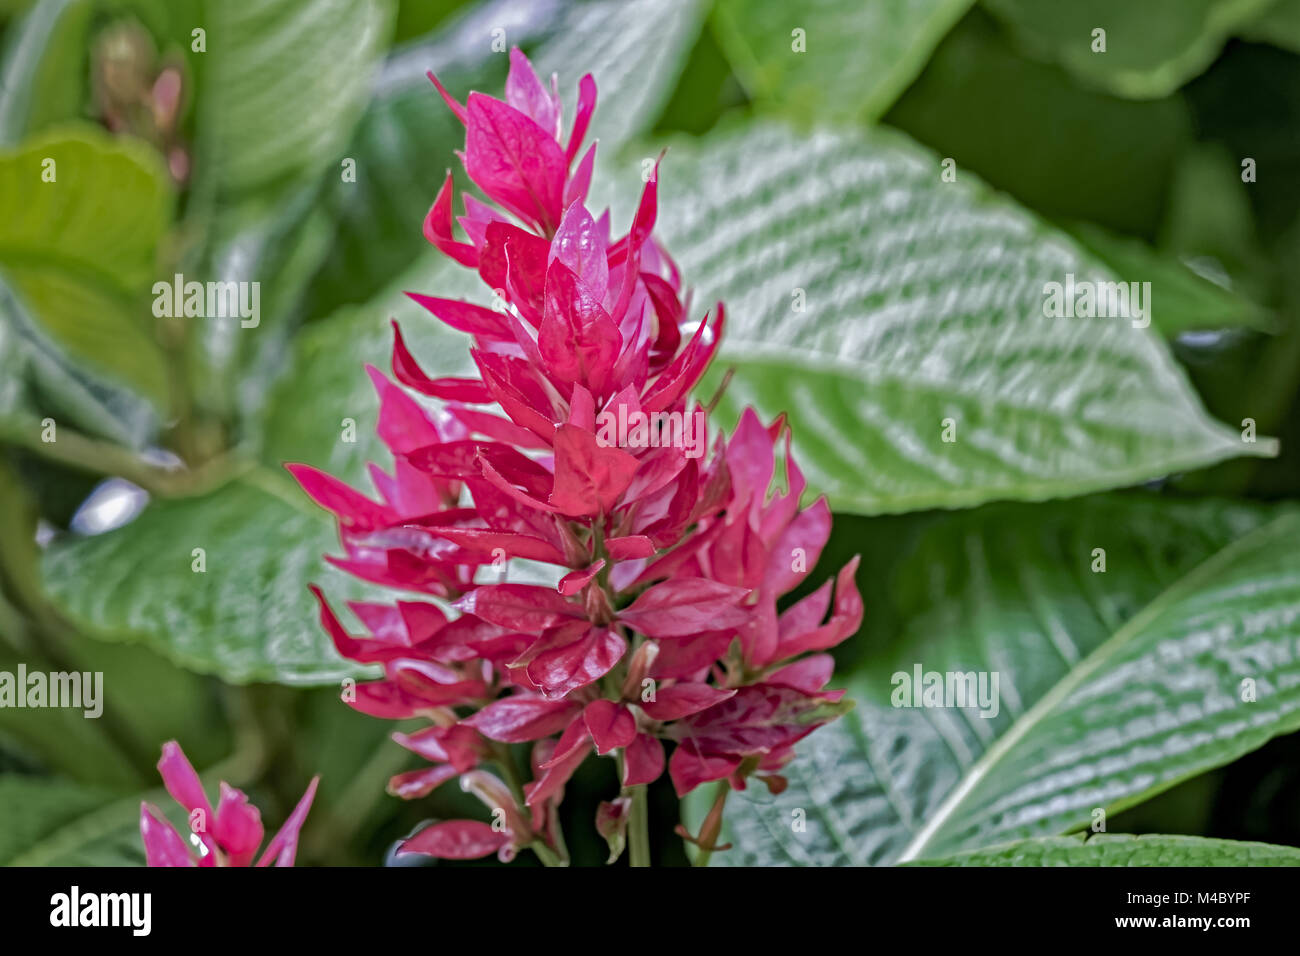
<point>814,170</point>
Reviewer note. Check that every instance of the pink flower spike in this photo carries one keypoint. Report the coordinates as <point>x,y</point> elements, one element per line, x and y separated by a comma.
<point>579,444</point>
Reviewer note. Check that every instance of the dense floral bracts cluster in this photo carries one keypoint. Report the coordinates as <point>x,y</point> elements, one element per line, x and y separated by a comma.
<point>577,446</point>
<point>228,836</point>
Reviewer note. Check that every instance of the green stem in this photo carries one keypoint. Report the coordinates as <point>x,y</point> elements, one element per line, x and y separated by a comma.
<point>638,828</point>
<point>712,826</point>
<point>104,458</point>
<point>544,853</point>
<point>558,857</point>
<point>506,764</point>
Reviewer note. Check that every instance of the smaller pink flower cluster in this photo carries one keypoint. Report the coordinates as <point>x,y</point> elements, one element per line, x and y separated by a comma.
<point>664,626</point>
<point>228,836</point>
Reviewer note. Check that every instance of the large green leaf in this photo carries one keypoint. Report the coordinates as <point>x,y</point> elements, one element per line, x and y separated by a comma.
<point>1106,849</point>
<point>79,251</point>
<point>1159,701</point>
<point>1027,128</point>
<point>279,89</point>
<point>1209,223</point>
<point>324,385</point>
<point>1113,685</point>
<point>1152,48</point>
<point>1279,25</point>
<point>143,698</point>
<point>852,60</point>
<point>1181,299</point>
<point>62,740</point>
<point>39,380</point>
<point>247,617</point>
<point>51,822</point>
<point>42,68</point>
<point>923,301</point>
<point>282,84</point>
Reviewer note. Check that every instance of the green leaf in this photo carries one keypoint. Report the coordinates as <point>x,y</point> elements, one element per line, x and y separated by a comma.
<point>1180,299</point>
<point>851,61</point>
<point>43,71</point>
<point>279,89</point>
<point>1160,701</point>
<point>38,380</point>
<point>1027,128</point>
<point>79,251</point>
<point>1118,849</point>
<point>403,147</point>
<point>325,386</point>
<point>61,740</point>
<point>51,822</point>
<point>142,696</point>
<point>1112,685</point>
<point>1152,48</point>
<point>282,85</point>
<point>922,301</point>
<point>247,617</point>
<point>1278,25</point>
<point>1209,223</point>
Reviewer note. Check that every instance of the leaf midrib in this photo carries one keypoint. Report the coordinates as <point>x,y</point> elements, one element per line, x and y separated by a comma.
<point>1191,582</point>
